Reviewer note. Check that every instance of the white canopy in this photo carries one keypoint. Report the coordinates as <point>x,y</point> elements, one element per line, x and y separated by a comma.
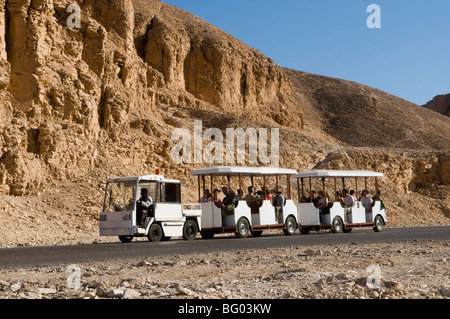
<point>337,173</point>
<point>245,171</point>
<point>159,178</point>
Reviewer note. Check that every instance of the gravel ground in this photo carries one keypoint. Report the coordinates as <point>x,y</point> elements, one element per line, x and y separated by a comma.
<point>405,270</point>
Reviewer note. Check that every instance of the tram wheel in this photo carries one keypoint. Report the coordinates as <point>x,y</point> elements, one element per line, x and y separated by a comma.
<point>190,230</point>
<point>291,226</point>
<point>243,228</point>
<point>337,225</point>
<point>155,233</point>
<point>378,224</point>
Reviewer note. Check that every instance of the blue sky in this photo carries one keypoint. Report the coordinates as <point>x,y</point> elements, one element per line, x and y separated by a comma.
<point>409,56</point>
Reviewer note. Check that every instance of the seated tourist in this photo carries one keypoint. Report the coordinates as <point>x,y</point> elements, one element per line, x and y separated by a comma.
<point>278,203</point>
<point>322,205</point>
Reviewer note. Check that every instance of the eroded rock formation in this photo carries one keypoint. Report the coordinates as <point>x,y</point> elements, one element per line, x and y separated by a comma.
<point>71,96</point>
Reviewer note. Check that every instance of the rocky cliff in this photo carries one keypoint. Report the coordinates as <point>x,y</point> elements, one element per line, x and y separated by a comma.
<point>440,104</point>
<point>79,104</point>
<point>72,97</point>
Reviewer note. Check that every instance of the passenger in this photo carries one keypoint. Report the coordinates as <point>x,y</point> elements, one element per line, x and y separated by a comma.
<point>322,205</point>
<point>347,202</point>
<point>143,207</point>
<point>366,201</point>
<point>266,194</point>
<point>215,198</point>
<point>251,196</point>
<point>374,198</point>
<point>228,191</point>
<point>206,198</point>
<point>229,202</point>
<point>252,200</point>
<point>323,200</point>
<point>359,197</point>
<point>353,194</point>
<point>303,199</point>
<point>278,203</point>
<point>314,199</point>
<point>224,191</point>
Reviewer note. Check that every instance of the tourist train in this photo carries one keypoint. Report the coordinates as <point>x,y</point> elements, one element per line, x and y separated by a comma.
<point>151,205</point>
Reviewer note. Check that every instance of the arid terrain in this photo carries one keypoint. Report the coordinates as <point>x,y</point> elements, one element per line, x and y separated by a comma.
<point>80,105</point>
<point>414,270</point>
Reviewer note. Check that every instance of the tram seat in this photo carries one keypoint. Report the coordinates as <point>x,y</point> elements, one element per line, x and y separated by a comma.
<point>254,206</point>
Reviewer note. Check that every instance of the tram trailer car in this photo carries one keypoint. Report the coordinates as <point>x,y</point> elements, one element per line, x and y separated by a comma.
<point>167,217</point>
<point>335,216</point>
<point>246,217</point>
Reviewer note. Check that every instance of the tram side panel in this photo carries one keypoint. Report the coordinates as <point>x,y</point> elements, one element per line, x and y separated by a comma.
<point>209,216</point>
<point>266,215</point>
<point>212,215</point>
<point>307,214</point>
<point>242,210</point>
<point>358,214</point>
<point>289,209</point>
<point>336,211</point>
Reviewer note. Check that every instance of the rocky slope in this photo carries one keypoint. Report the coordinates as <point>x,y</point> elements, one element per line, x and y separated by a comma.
<point>78,105</point>
<point>440,104</point>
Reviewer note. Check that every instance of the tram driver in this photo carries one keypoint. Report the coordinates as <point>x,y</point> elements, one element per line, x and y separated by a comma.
<point>144,205</point>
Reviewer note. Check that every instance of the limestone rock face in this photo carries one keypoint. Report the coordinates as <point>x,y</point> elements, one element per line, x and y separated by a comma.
<point>73,98</point>
<point>195,57</point>
<point>62,88</point>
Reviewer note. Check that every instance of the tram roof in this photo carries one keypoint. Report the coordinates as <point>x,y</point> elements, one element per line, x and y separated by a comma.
<point>159,178</point>
<point>337,173</point>
<point>245,171</point>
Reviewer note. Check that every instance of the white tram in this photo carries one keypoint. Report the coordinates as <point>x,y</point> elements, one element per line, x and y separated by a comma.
<point>335,216</point>
<point>165,217</point>
<point>243,219</point>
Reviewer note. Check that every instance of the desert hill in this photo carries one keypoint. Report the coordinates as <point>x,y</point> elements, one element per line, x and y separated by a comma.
<point>440,104</point>
<point>79,105</point>
<point>366,117</point>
